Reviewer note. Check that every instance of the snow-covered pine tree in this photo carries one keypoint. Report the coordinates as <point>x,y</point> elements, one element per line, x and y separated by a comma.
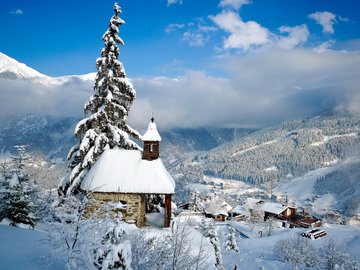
<point>230,243</point>
<point>212,234</point>
<point>18,162</point>
<point>107,111</point>
<point>196,201</point>
<point>20,208</point>
<point>18,196</point>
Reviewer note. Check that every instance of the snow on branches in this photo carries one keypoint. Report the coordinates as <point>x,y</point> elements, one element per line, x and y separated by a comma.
<point>107,109</point>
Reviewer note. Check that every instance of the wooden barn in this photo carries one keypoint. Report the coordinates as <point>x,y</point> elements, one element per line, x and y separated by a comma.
<point>128,176</point>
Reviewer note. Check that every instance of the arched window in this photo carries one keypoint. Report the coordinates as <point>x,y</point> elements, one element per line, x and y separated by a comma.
<point>151,148</point>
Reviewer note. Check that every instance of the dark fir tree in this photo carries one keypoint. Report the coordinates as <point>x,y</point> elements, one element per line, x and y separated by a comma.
<point>107,111</point>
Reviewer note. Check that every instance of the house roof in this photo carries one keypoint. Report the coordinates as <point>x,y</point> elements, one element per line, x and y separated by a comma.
<point>238,209</point>
<point>124,171</point>
<point>151,133</point>
<point>252,203</point>
<point>273,208</point>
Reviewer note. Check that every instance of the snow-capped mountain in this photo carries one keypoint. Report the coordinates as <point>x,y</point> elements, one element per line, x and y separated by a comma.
<point>13,70</point>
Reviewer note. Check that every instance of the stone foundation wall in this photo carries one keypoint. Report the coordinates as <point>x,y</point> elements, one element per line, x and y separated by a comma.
<point>134,212</point>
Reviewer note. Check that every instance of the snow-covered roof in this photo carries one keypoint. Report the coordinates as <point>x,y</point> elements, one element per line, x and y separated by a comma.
<point>238,209</point>
<point>216,206</point>
<point>251,203</point>
<point>273,208</point>
<point>151,133</point>
<point>125,171</point>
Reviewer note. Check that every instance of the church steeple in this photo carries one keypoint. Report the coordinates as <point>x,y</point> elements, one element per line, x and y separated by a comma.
<point>151,140</point>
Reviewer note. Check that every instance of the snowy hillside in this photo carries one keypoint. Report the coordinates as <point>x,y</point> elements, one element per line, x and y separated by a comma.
<point>330,192</point>
<point>287,150</point>
<point>48,136</point>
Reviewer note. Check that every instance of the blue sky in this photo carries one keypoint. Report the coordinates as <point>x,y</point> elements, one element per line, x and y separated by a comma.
<point>162,37</point>
<point>197,62</point>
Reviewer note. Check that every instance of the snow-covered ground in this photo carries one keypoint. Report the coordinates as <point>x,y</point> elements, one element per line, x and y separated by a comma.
<point>25,249</point>
<point>255,252</point>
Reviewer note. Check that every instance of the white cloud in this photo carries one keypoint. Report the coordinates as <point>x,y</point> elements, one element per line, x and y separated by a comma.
<point>62,98</point>
<point>264,88</point>
<point>260,89</point>
<point>171,2</point>
<point>297,35</point>
<point>173,27</point>
<point>17,11</point>
<point>243,35</point>
<point>195,38</point>
<point>326,19</point>
<point>198,33</point>
<point>236,4</point>
<point>324,47</point>
<point>343,19</point>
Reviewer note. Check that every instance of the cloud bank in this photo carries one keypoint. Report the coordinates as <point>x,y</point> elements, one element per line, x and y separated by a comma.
<point>260,89</point>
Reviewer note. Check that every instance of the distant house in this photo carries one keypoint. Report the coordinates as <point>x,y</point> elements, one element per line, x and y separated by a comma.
<point>216,208</point>
<point>279,211</point>
<point>270,210</point>
<point>127,176</point>
<point>238,213</point>
<point>308,222</point>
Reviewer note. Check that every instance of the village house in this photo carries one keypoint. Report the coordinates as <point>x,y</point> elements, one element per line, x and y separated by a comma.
<point>216,208</point>
<point>129,177</point>
<point>269,209</point>
<point>238,213</point>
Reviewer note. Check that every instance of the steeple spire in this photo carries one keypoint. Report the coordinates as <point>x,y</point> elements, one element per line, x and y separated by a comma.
<point>151,140</point>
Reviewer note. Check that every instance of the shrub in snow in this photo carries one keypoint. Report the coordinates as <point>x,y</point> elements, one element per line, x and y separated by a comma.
<point>108,108</point>
<point>154,203</point>
<point>172,250</point>
<point>4,167</point>
<point>334,256</point>
<point>72,237</point>
<point>297,251</point>
<point>114,252</point>
<point>231,240</point>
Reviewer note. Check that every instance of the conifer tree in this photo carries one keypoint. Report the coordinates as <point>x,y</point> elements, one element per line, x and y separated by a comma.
<point>196,201</point>
<point>17,194</point>
<point>107,110</point>
<point>231,240</point>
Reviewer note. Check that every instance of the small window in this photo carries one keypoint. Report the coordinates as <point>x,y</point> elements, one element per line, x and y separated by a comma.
<point>151,148</point>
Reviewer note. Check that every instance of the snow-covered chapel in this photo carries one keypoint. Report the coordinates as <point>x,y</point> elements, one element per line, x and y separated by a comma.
<point>127,176</point>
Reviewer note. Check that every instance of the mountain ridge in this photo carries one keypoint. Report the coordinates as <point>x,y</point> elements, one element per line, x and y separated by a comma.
<point>14,70</point>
